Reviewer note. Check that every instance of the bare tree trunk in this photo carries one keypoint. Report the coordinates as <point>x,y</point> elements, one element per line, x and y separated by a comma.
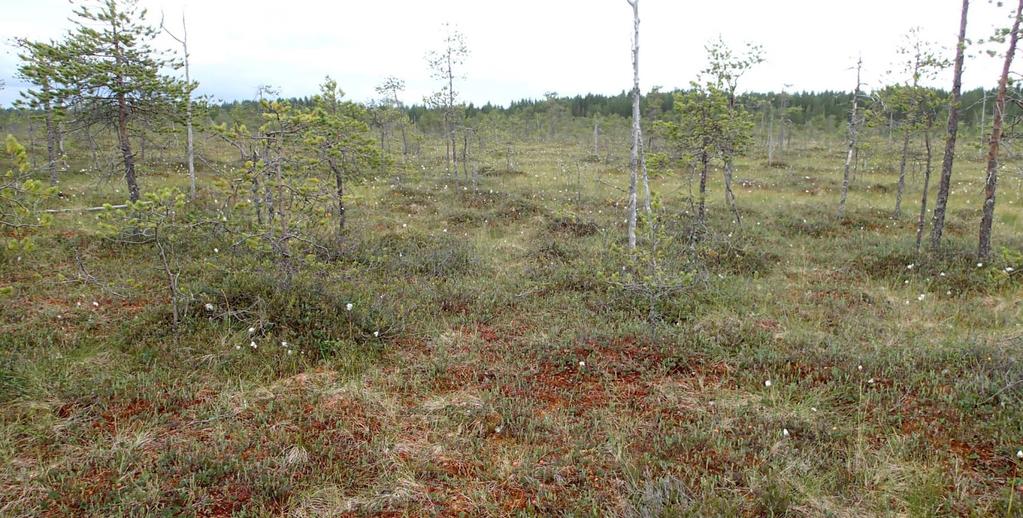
<point>126,153</point>
<point>853,133</point>
<point>990,186</point>
<point>447,146</point>
<point>902,176</point>
<point>647,196</point>
<point>451,115</point>
<point>784,107</point>
<point>702,210</point>
<point>729,195</point>
<point>465,154</point>
<point>634,160</point>
<point>729,169</point>
<point>983,121</point>
<point>51,141</point>
<point>340,192</point>
<point>31,141</point>
<point>189,140</point>
<point>923,197</point>
<point>941,202</point>
<point>404,140</point>
<point>93,149</point>
<point>172,278</point>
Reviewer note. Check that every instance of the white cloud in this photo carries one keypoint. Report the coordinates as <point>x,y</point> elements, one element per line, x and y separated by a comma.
<point>527,47</point>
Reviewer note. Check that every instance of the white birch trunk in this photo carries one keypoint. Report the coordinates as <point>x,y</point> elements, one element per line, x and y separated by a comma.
<point>634,157</point>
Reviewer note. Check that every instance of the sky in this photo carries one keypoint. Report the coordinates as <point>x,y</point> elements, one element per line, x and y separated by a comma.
<point>525,48</point>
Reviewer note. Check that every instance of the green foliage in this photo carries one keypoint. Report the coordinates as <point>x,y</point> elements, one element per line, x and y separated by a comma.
<point>21,197</point>
<point>40,67</point>
<point>109,57</point>
<point>336,131</point>
<point>707,128</point>
<point>913,106</point>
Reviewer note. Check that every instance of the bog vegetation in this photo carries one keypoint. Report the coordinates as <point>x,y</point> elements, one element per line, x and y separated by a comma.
<point>701,302</point>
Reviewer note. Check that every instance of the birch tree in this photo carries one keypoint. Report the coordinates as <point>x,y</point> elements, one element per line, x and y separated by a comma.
<point>991,182</point>
<point>941,202</point>
<point>389,90</point>
<point>905,107</point>
<point>706,127</point>
<point>189,139</point>
<point>928,107</point>
<point>724,71</point>
<point>853,136</point>
<point>445,65</point>
<point>635,156</point>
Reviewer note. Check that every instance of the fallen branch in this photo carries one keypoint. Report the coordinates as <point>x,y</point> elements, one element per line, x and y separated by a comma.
<point>86,209</point>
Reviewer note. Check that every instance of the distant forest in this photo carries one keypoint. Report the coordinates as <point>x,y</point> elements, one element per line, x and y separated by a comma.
<point>822,109</point>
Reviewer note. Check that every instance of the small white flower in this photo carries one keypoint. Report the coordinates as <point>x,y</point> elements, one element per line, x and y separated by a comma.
<point>859,367</point>
<point>767,383</point>
<point>284,344</point>
<point>785,432</point>
<point>209,307</point>
<point>813,409</point>
<point>910,266</point>
<point>252,330</point>
<point>921,297</point>
<point>1019,454</point>
<point>348,307</point>
<point>216,250</point>
<point>376,333</point>
<point>498,428</point>
<point>96,304</point>
<point>253,345</point>
<point>980,265</point>
<point>871,381</point>
<point>290,351</point>
<point>582,364</point>
<point>1009,269</point>
<point>237,347</point>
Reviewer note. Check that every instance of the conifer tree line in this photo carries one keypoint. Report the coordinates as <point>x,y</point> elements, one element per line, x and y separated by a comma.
<point>107,88</point>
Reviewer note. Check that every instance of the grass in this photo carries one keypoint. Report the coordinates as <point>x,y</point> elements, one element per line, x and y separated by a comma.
<point>489,364</point>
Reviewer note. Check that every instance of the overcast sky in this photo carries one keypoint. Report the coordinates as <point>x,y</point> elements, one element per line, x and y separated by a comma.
<point>524,48</point>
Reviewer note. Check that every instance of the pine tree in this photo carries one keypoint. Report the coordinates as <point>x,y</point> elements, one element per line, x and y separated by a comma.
<point>39,67</point>
<point>112,74</point>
